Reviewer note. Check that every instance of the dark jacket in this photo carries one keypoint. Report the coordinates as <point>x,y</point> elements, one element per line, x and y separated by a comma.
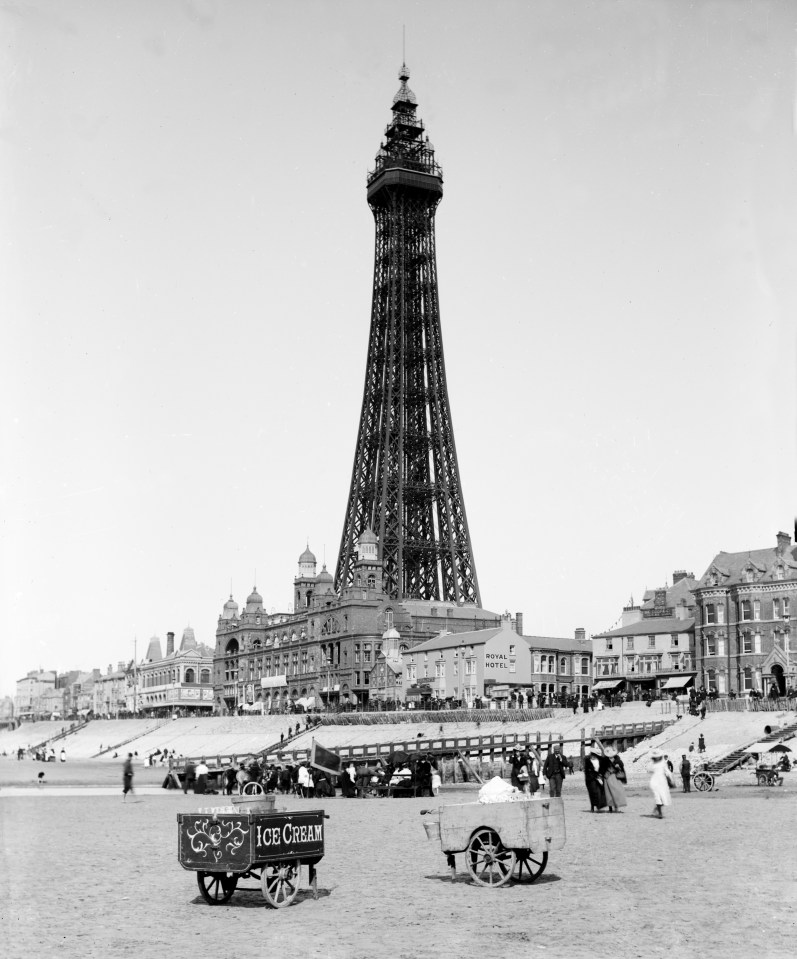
<point>555,765</point>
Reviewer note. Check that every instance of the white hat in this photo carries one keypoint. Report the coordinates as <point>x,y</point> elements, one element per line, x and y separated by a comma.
<point>656,754</point>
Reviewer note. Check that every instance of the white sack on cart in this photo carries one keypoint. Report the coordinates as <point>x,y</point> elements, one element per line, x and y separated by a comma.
<point>496,790</point>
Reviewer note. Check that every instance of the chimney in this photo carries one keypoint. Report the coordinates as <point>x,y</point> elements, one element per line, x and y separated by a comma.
<point>680,574</point>
<point>581,634</point>
<point>659,598</point>
<point>120,667</point>
<point>784,542</point>
<point>169,644</point>
<point>519,623</point>
<point>110,670</point>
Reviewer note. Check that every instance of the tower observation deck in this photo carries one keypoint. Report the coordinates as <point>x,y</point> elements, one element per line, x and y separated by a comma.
<point>405,483</point>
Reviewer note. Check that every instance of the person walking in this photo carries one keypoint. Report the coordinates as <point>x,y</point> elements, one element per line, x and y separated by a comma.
<point>701,744</point>
<point>660,782</point>
<point>686,773</point>
<point>555,770</point>
<point>63,755</point>
<point>127,777</point>
<point>594,779</point>
<point>190,776</point>
<point>613,780</point>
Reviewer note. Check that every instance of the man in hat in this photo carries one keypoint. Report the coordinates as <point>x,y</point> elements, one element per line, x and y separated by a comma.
<point>686,773</point>
<point>555,770</point>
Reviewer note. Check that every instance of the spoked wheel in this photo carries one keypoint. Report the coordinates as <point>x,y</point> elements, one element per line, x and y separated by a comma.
<point>703,782</point>
<point>489,861</point>
<point>280,882</point>
<point>530,865</point>
<point>252,789</point>
<point>216,887</point>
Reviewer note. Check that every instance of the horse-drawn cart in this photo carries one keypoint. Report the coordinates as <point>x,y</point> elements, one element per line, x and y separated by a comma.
<point>225,848</point>
<point>501,840</point>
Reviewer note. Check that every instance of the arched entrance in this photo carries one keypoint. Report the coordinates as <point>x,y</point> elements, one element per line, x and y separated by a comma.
<point>778,678</point>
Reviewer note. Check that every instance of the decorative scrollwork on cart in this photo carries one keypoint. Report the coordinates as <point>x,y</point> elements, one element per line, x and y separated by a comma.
<point>215,840</point>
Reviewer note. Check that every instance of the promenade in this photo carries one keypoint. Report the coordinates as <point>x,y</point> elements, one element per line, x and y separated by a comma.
<point>85,875</point>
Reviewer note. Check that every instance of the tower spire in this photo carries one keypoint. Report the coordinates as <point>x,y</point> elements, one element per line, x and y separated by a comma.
<point>405,482</point>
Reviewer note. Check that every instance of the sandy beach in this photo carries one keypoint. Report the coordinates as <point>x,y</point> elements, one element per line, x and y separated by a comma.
<point>86,875</point>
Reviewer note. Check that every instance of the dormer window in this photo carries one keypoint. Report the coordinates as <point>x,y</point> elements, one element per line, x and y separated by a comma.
<point>779,573</point>
<point>749,575</point>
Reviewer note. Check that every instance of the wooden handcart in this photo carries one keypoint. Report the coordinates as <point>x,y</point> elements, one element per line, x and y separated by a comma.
<point>768,776</point>
<point>502,841</point>
<point>227,848</point>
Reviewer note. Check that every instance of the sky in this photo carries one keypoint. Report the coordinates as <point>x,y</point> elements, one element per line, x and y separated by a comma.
<point>186,258</point>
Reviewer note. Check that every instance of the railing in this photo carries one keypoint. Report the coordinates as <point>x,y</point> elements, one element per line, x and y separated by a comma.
<point>389,163</point>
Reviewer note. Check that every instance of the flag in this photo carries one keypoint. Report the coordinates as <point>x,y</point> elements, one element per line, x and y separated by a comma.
<point>324,759</point>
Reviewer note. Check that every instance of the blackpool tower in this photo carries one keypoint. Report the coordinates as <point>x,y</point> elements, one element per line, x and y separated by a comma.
<point>405,484</point>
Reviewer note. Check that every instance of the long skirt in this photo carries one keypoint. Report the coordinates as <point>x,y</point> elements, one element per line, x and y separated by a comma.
<point>597,797</point>
<point>615,791</point>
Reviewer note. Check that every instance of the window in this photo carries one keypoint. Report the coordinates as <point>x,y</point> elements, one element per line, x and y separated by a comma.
<point>786,607</point>
<point>439,669</point>
<point>747,678</point>
<point>673,640</point>
<point>357,679</point>
<point>609,645</point>
<point>372,582</point>
<point>512,666</point>
<point>776,608</point>
<point>366,678</point>
<point>356,652</point>
<point>412,673</point>
<point>511,649</point>
<point>470,667</point>
<point>710,611</point>
<point>757,643</point>
<point>747,643</point>
<point>711,646</point>
<point>629,643</point>
<point>367,652</point>
<point>779,572</point>
<point>756,609</point>
<point>651,642</point>
<point>204,676</point>
<point>749,575</point>
<point>711,677</point>
<point>745,611</point>
<point>563,665</point>
<point>551,664</point>
<point>584,665</point>
<point>720,614</point>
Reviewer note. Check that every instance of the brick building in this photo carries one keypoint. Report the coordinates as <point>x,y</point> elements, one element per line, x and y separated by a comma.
<point>323,652</point>
<point>745,603</point>
<point>653,649</point>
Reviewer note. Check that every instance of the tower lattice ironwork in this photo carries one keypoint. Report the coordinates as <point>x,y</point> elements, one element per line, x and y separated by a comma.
<point>405,484</point>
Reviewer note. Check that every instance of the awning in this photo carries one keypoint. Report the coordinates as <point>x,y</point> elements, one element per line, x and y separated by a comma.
<point>642,679</point>
<point>308,702</point>
<point>677,682</point>
<point>269,682</point>
<point>251,707</point>
<point>767,748</point>
<point>334,689</point>
<point>607,684</point>
<point>352,697</point>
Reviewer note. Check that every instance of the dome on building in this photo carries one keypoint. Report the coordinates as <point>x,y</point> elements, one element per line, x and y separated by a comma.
<point>230,610</point>
<point>324,583</point>
<point>368,536</point>
<point>189,640</point>
<point>254,601</point>
<point>308,556</point>
<point>154,651</point>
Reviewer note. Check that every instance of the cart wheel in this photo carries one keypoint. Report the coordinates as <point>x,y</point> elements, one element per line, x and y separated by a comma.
<point>280,882</point>
<point>490,863</point>
<point>703,782</point>
<point>762,779</point>
<point>252,789</point>
<point>216,887</point>
<point>530,865</point>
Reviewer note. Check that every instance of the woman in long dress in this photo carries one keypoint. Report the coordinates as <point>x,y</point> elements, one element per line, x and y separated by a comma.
<point>594,780</point>
<point>660,782</point>
<point>613,777</point>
